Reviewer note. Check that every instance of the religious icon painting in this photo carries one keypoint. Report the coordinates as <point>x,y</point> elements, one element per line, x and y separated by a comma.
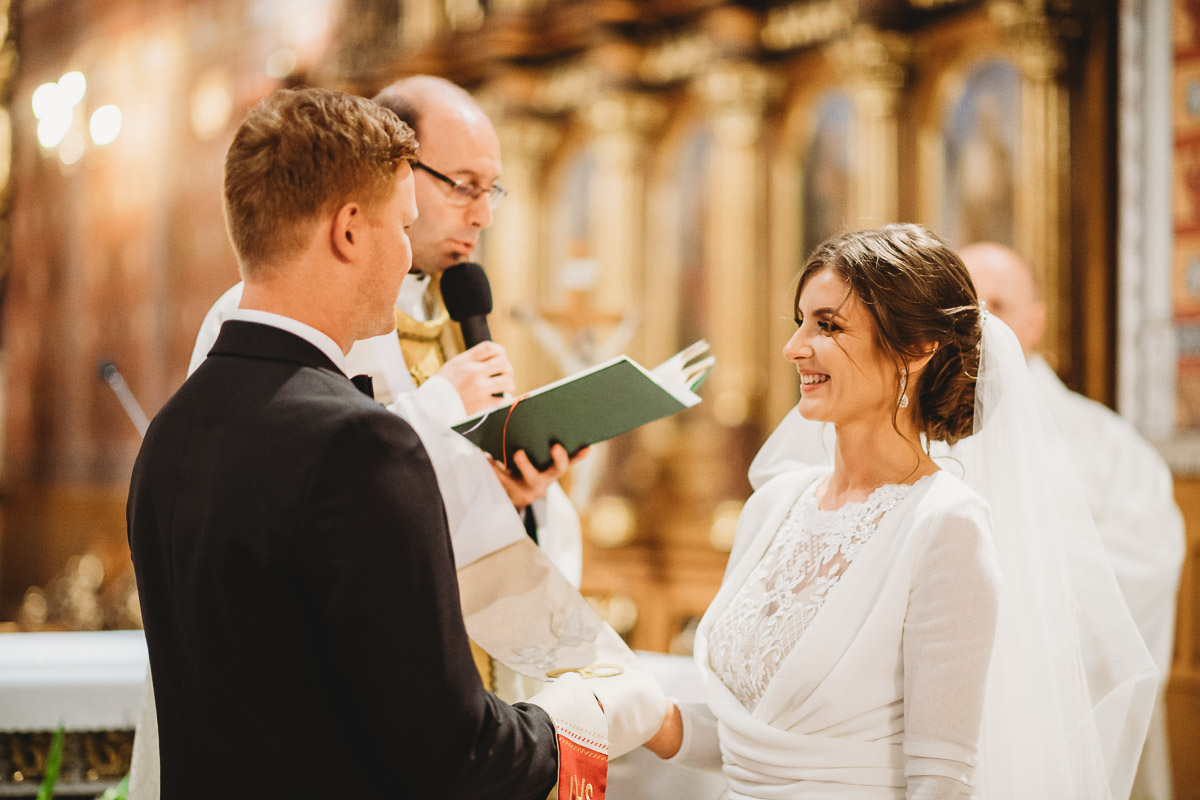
<point>828,171</point>
<point>982,137</point>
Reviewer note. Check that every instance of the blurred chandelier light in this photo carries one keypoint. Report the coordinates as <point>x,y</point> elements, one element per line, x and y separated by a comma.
<point>212,103</point>
<point>71,149</point>
<point>105,124</point>
<point>53,127</point>
<point>46,100</point>
<point>72,87</point>
<point>54,107</point>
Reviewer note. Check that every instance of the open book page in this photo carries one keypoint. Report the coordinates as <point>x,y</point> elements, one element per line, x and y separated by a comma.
<point>682,373</point>
<point>679,375</point>
<point>586,408</point>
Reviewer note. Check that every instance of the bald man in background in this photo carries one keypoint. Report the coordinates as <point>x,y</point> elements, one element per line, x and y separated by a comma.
<point>1127,484</point>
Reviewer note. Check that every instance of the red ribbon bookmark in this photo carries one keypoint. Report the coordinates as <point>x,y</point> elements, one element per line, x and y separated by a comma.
<point>504,433</point>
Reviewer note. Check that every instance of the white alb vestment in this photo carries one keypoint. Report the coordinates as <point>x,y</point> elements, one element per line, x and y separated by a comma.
<point>869,681</point>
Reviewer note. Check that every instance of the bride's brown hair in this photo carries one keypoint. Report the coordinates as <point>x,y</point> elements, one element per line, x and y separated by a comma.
<point>920,294</point>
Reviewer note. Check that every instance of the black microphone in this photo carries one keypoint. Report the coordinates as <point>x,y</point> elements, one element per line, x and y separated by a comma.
<point>468,298</point>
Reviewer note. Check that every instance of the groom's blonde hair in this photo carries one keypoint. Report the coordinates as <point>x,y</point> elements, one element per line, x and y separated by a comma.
<point>301,154</point>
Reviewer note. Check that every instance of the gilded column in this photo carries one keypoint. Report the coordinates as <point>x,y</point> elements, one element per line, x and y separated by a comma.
<point>620,123</point>
<point>8,67</point>
<point>1043,180</point>
<point>874,64</point>
<point>737,95</point>
<point>422,21</point>
<point>511,244</point>
<point>518,6</point>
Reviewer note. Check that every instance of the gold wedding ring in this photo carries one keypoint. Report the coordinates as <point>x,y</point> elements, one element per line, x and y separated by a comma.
<point>590,671</point>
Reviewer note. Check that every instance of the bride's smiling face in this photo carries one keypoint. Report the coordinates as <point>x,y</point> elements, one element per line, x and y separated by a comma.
<point>845,376</point>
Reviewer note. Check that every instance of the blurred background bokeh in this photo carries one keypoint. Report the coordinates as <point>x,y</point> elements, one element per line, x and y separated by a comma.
<point>669,163</point>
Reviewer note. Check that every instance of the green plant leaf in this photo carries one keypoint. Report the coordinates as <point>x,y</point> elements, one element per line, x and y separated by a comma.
<point>117,792</point>
<point>53,762</point>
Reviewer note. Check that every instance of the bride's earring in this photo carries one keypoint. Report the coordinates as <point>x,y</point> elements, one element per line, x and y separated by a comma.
<point>903,387</point>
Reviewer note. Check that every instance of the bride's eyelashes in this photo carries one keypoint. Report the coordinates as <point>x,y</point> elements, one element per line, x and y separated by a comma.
<point>827,326</point>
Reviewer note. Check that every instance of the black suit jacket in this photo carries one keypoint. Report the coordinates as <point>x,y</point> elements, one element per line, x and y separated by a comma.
<point>299,595</point>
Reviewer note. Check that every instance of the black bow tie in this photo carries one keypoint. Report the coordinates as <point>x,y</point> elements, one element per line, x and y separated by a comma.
<point>363,384</point>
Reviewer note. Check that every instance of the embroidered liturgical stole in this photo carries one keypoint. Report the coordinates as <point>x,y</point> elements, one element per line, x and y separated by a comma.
<point>422,345</point>
<point>427,343</point>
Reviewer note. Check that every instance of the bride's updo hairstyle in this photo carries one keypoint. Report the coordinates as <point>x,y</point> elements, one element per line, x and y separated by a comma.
<point>919,293</point>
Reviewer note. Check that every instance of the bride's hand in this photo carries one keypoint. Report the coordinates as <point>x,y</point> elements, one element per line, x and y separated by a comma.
<point>669,738</point>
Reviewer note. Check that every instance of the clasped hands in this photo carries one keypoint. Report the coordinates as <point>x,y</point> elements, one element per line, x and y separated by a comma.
<point>479,375</point>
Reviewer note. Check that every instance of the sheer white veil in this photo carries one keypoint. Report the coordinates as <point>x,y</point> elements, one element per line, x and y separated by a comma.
<point>1071,685</point>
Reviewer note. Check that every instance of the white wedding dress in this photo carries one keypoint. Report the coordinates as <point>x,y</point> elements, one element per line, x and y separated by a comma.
<point>861,654</point>
<point>846,653</point>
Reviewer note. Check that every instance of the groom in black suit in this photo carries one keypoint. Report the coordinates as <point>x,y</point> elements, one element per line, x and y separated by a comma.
<point>290,545</point>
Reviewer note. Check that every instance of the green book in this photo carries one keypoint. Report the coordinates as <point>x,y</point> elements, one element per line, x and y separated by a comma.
<point>589,407</point>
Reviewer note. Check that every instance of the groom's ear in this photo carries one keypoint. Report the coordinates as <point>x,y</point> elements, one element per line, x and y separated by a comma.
<point>345,231</point>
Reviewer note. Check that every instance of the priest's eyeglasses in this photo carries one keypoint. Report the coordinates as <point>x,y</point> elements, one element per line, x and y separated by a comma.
<point>463,193</point>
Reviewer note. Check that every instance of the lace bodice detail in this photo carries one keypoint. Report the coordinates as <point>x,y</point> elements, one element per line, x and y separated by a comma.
<point>771,611</point>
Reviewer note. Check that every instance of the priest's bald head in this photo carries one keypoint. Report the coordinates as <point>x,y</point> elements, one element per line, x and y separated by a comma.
<point>456,176</point>
<point>1008,288</point>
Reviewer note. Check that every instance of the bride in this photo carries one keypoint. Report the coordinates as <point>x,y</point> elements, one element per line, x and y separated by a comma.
<point>861,644</point>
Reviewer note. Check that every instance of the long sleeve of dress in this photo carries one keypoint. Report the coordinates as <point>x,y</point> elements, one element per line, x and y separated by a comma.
<point>700,748</point>
<point>948,635</point>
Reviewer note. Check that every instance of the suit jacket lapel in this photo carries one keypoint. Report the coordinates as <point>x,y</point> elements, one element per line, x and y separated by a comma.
<point>253,340</point>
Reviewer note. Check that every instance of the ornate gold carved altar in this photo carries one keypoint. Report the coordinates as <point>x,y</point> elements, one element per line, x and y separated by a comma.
<point>669,162</point>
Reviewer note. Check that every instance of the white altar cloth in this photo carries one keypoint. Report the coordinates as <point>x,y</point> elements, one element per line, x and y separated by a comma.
<point>85,681</point>
<point>93,681</point>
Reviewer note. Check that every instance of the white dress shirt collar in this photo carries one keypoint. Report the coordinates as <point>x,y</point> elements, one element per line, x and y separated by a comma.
<point>411,299</point>
<point>308,333</point>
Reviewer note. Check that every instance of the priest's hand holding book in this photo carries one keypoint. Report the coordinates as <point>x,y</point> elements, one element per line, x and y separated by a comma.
<point>529,484</point>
